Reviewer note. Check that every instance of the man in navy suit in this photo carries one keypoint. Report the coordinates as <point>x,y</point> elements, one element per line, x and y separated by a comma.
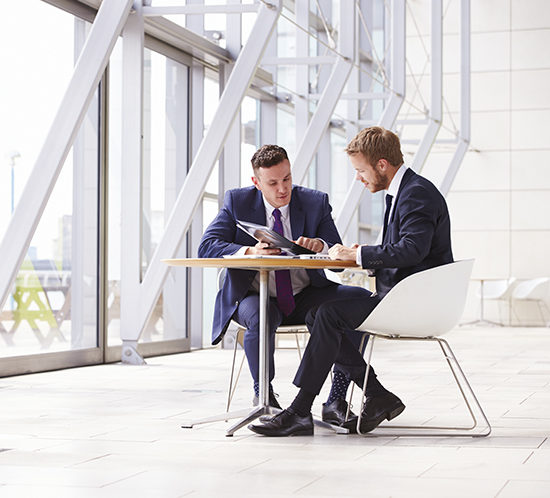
<point>416,236</point>
<point>298,213</point>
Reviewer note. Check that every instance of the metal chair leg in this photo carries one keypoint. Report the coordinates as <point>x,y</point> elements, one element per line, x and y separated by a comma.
<point>233,385</point>
<point>463,385</point>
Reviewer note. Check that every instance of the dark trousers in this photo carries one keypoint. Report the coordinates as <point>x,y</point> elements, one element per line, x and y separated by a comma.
<point>307,301</point>
<point>330,342</point>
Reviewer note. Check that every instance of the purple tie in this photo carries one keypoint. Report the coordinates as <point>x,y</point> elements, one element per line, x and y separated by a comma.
<point>285,298</point>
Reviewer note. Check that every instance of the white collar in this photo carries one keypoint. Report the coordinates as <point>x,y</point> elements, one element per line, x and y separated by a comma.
<point>269,209</point>
<point>395,183</point>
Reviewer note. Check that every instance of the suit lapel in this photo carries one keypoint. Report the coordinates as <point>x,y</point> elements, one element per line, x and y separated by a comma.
<point>407,177</point>
<point>257,214</point>
<point>297,215</point>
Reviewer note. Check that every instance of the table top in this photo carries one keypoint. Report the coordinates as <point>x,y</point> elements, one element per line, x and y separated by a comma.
<point>262,263</point>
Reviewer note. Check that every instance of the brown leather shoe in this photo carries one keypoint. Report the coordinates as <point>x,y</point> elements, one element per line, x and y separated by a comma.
<point>285,423</point>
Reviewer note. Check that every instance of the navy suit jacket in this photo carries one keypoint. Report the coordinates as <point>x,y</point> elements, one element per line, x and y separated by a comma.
<point>418,236</point>
<point>309,216</point>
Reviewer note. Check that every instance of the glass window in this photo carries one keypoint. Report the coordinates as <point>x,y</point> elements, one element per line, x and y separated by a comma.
<point>164,167</point>
<point>53,306</point>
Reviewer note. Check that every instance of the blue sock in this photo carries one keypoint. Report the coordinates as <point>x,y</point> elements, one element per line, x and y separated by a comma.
<point>339,388</point>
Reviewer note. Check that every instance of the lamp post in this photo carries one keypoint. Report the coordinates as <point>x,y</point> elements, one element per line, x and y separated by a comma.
<point>13,155</point>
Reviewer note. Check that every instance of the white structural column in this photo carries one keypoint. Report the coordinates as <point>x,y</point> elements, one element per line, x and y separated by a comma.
<point>230,159</point>
<point>464,137</point>
<point>110,18</point>
<point>436,99</point>
<point>391,109</point>
<point>132,173</point>
<point>301,102</point>
<point>335,85</point>
<point>195,182</point>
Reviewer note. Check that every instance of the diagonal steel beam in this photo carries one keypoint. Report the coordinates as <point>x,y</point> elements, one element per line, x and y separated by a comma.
<point>391,110</point>
<point>464,136</point>
<point>330,96</point>
<point>88,70</point>
<point>436,99</point>
<point>207,154</point>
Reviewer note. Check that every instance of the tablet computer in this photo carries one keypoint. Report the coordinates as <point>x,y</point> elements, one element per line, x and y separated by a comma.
<point>271,237</point>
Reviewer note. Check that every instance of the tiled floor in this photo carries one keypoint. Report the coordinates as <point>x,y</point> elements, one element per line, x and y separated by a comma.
<point>114,430</point>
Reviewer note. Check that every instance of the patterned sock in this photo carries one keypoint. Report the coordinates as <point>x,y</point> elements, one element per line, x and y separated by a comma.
<point>339,388</point>
<point>257,389</point>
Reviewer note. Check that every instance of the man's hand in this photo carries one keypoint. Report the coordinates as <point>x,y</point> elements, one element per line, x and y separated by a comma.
<point>314,245</point>
<point>343,253</point>
<point>261,248</point>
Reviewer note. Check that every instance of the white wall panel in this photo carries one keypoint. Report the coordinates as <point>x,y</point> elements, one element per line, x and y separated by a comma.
<point>530,129</point>
<point>479,210</point>
<point>530,49</point>
<point>490,15</point>
<point>530,254</point>
<point>530,14</point>
<point>530,89</point>
<point>498,99</point>
<point>530,210</point>
<point>490,51</point>
<point>530,169</point>
<point>484,171</point>
<point>491,251</point>
<point>490,130</point>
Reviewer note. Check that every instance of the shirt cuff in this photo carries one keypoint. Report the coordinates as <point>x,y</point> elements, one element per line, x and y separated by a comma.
<point>358,259</point>
<point>325,247</point>
<point>241,251</point>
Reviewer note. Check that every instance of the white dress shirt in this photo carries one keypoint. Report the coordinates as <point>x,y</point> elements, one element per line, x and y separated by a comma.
<point>298,277</point>
<point>393,190</point>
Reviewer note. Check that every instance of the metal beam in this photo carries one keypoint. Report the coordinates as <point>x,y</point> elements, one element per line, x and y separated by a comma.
<point>209,151</point>
<point>327,103</point>
<point>89,68</point>
<point>391,110</point>
<point>464,136</point>
<point>436,112</point>
<point>199,9</point>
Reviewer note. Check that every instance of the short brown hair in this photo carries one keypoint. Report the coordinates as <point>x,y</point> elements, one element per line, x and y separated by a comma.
<point>376,143</point>
<point>267,156</point>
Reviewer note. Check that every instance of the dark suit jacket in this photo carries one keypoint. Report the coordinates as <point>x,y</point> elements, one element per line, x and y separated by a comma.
<point>309,216</point>
<point>418,236</point>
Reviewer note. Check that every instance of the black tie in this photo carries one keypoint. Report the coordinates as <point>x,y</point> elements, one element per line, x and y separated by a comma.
<point>387,215</point>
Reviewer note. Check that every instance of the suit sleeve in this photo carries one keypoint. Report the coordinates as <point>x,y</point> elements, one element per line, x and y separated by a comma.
<point>418,214</point>
<point>219,238</point>
<point>327,230</point>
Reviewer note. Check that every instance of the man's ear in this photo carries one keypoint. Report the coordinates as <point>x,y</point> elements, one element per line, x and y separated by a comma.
<point>255,182</point>
<point>383,164</point>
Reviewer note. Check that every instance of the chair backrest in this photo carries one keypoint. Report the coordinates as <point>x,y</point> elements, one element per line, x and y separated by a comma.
<point>536,289</point>
<point>498,289</point>
<point>427,303</point>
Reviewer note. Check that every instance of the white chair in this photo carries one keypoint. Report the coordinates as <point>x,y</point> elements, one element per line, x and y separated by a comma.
<point>297,330</point>
<point>495,290</point>
<point>423,307</point>
<point>535,290</point>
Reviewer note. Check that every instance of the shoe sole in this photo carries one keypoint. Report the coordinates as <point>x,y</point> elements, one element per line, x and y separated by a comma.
<point>386,416</point>
<point>350,424</point>
<point>303,432</point>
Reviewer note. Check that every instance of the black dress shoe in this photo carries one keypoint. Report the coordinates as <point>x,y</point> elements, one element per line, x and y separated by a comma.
<point>285,423</point>
<point>379,408</point>
<point>272,400</point>
<point>335,413</point>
